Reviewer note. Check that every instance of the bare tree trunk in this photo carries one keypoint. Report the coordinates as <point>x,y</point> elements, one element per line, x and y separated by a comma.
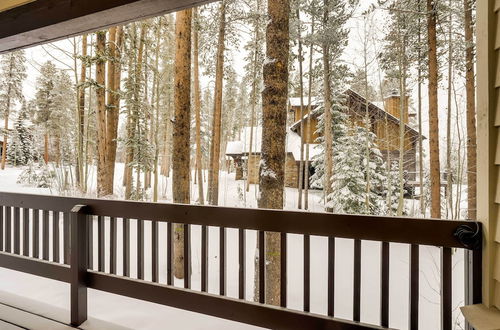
<point>471,111</point>
<point>433,111</point>
<point>181,133</point>
<point>274,103</point>
<point>80,177</point>
<point>301,91</point>
<point>327,103</point>
<point>102,189</point>
<point>156,87</point>
<point>308,122</point>
<point>449,191</point>
<point>46,146</point>
<point>420,138</point>
<point>213,177</point>
<point>197,106</point>
<point>6,118</point>
<point>113,107</point>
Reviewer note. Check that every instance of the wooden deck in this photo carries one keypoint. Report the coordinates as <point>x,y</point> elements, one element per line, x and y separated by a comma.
<point>13,318</point>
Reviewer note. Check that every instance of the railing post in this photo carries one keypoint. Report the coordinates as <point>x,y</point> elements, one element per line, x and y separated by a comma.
<point>78,264</point>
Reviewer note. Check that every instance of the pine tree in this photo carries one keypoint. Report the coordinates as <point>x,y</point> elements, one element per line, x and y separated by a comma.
<point>21,148</point>
<point>12,75</point>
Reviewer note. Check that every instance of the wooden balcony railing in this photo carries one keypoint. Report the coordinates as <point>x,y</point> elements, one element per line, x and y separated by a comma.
<point>24,216</point>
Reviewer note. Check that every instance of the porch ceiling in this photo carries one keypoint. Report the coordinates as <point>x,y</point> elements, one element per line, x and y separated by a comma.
<point>42,21</point>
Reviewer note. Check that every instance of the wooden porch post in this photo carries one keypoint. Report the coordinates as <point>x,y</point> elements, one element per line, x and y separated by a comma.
<point>78,264</point>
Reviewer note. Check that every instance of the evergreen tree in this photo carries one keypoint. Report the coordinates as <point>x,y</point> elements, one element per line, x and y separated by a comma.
<point>12,75</point>
<point>21,148</point>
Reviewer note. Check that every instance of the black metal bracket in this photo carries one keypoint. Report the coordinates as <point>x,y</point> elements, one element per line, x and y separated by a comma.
<point>469,237</point>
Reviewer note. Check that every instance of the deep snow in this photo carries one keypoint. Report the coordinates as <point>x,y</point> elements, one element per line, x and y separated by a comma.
<point>109,311</point>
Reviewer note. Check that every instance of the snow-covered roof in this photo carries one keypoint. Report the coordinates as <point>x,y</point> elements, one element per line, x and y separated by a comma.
<point>295,101</point>
<point>293,142</point>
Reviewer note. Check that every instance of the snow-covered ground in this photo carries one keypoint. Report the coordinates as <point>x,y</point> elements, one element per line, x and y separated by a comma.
<point>108,311</point>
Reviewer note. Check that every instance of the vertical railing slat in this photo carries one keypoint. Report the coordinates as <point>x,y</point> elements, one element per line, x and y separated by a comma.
<point>446,293</point>
<point>331,276</point>
<point>91,242</point>
<point>356,314</point>
<point>283,269</point>
<point>36,233</point>
<point>100,243</point>
<point>112,245</point>
<point>154,252</point>
<point>414,286</point>
<point>384,284</point>
<point>307,273</point>
<point>140,249</point>
<point>242,263</point>
<point>1,227</point>
<point>187,256</point>
<point>55,236</point>
<point>262,267</point>
<point>222,261</point>
<point>26,232</point>
<point>204,258</point>
<point>126,246</point>
<point>17,231</point>
<point>8,229</point>
<point>67,238</point>
<point>45,234</point>
<point>170,252</point>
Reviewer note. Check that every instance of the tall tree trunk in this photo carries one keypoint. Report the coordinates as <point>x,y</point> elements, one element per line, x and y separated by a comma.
<point>449,191</point>
<point>213,177</point>
<point>433,110</point>
<point>6,118</point>
<point>471,111</point>
<point>301,91</point>
<point>420,132</point>
<point>113,107</point>
<point>197,107</point>
<point>308,122</point>
<point>327,103</point>
<point>181,133</point>
<point>274,105</point>
<point>156,87</point>
<point>80,177</point>
<point>102,189</point>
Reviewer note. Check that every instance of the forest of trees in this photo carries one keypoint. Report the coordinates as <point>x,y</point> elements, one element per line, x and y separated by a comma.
<point>166,95</point>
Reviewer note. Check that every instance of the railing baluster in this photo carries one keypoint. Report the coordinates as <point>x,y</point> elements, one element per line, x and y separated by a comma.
<point>45,234</point>
<point>170,252</point>
<point>262,268</point>
<point>78,269</point>
<point>414,286</point>
<point>17,231</point>
<point>36,233</point>
<point>356,314</point>
<point>100,243</point>
<point>1,227</point>
<point>384,284</point>
<point>26,232</point>
<point>154,251</point>
<point>222,261</point>
<point>67,238</point>
<point>204,258</point>
<point>187,256</point>
<point>8,230</point>
<point>55,236</point>
<point>112,245</point>
<point>283,274</point>
<point>446,302</point>
<point>331,276</point>
<point>91,242</point>
<point>140,249</point>
<point>307,273</point>
<point>126,247</point>
<point>242,263</point>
